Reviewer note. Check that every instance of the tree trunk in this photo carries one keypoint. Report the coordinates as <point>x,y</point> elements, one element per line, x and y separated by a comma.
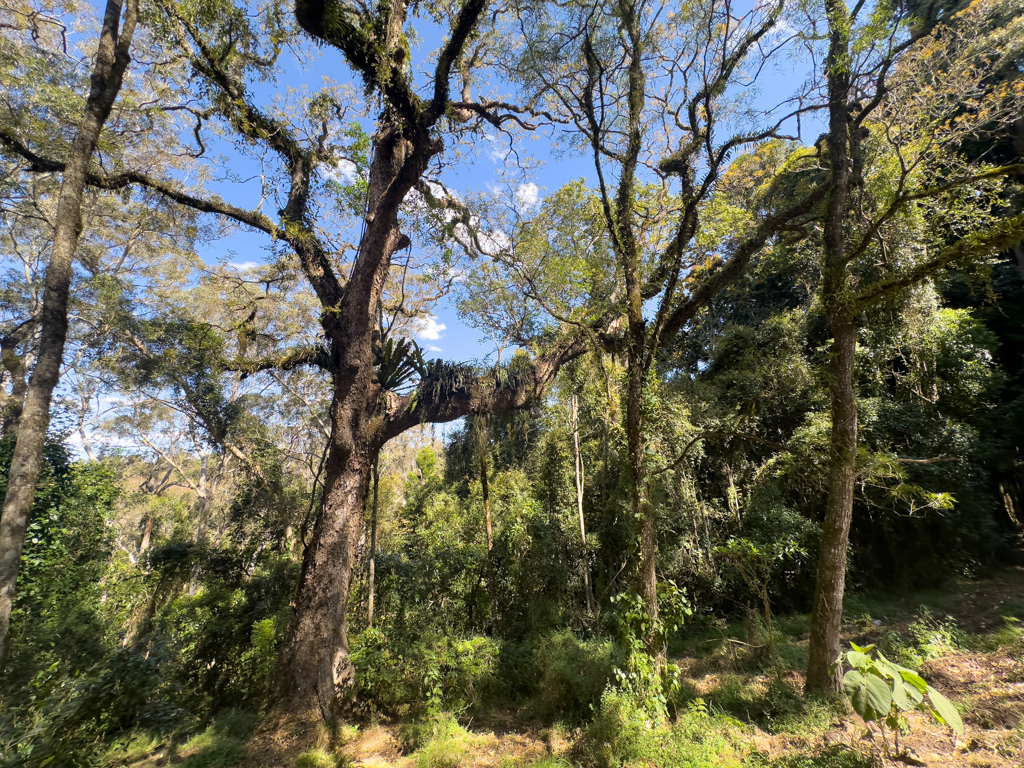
<point>485,492</point>
<point>108,73</point>
<point>373,542</point>
<point>147,535</point>
<point>826,617</point>
<point>17,368</point>
<point>314,669</point>
<point>588,590</point>
<point>643,512</point>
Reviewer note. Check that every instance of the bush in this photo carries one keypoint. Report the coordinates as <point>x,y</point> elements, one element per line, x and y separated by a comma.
<point>426,676</point>
<point>443,743</point>
<point>571,674</point>
<point>624,734</point>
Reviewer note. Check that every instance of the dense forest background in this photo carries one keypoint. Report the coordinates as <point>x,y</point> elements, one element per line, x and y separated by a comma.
<point>244,484</point>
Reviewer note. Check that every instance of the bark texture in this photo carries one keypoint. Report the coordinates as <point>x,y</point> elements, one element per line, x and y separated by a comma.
<point>372,576</point>
<point>830,584</point>
<point>831,575</point>
<point>588,590</point>
<point>111,62</point>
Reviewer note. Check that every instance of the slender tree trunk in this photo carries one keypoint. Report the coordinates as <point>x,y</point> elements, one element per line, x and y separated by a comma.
<point>826,617</point>
<point>147,535</point>
<point>642,511</point>
<point>485,492</point>
<point>15,365</point>
<point>373,541</point>
<point>587,588</point>
<point>108,73</point>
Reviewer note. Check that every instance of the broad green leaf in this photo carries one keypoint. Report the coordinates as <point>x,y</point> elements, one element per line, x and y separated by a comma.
<point>944,711</point>
<point>858,660</point>
<point>914,679</point>
<point>887,669</point>
<point>870,696</point>
<point>903,696</point>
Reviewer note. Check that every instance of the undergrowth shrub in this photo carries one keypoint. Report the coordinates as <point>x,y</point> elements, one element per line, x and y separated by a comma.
<point>833,756</point>
<point>221,745</point>
<point>571,674</point>
<point>935,637</point>
<point>626,734</point>
<point>317,758</point>
<point>425,676</point>
<point>441,742</point>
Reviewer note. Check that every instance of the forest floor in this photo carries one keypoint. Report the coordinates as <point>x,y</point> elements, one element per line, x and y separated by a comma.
<point>966,640</point>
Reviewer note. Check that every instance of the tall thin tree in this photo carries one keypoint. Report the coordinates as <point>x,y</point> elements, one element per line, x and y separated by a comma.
<point>109,67</point>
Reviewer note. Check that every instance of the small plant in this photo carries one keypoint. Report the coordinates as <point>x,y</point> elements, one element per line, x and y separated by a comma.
<point>650,680</point>
<point>936,638</point>
<point>316,758</point>
<point>882,693</point>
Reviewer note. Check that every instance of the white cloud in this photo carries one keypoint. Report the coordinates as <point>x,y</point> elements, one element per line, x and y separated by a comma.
<point>497,153</point>
<point>429,329</point>
<point>432,348</point>
<point>495,242</point>
<point>243,266</point>
<point>528,194</point>
<point>346,170</point>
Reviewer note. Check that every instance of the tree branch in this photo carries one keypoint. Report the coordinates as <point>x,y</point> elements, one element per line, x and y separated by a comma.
<point>1000,237</point>
<point>316,356</point>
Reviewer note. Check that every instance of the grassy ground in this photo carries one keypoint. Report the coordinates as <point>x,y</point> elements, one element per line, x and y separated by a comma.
<point>737,706</point>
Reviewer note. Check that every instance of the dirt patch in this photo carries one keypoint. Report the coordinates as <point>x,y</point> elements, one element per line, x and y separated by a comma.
<point>983,605</point>
<point>279,741</point>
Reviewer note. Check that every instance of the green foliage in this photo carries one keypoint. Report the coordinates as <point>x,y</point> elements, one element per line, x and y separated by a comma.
<point>834,756</point>
<point>317,758</point>
<point>425,676</point>
<point>624,733</point>
<point>572,673</point>
<point>882,692</point>
<point>440,741</point>
<point>220,745</point>
<point>644,676</point>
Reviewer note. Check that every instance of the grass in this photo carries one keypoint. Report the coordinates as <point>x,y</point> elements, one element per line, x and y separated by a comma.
<point>444,743</point>
<point>221,745</point>
<point>136,748</point>
<point>835,756</point>
<point>736,706</point>
<point>318,758</point>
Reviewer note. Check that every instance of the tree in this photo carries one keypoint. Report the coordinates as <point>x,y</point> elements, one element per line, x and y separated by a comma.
<point>651,95</point>
<point>886,154</point>
<point>111,63</point>
<point>225,49</point>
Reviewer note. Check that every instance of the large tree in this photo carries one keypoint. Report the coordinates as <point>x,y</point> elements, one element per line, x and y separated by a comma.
<point>378,390</point>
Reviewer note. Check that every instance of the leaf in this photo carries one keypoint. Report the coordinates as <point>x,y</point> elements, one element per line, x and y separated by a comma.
<point>887,669</point>
<point>914,679</point>
<point>870,696</point>
<point>944,711</point>
<point>903,696</point>
<point>858,660</point>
